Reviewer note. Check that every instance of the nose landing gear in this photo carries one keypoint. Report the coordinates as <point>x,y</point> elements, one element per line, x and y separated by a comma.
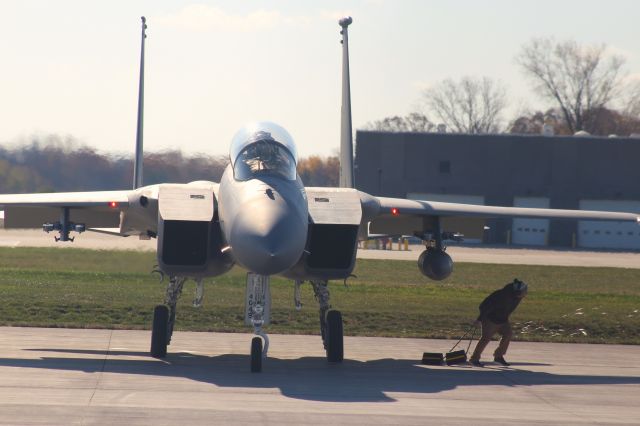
<point>257,314</point>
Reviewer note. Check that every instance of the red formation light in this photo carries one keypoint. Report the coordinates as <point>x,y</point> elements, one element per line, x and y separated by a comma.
<point>395,211</point>
<point>113,204</point>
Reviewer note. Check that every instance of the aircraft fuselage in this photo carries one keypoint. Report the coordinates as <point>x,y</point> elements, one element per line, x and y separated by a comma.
<point>264,221</point>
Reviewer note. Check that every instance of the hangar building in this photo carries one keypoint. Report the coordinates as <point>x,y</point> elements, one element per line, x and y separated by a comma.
<point>565,172</point>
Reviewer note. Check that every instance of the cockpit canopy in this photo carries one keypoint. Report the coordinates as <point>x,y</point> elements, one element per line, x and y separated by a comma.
<point>263,148</point>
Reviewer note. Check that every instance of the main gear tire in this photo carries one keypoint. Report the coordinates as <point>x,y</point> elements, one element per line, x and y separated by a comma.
<point>334,337</point>
<point>159,331</point>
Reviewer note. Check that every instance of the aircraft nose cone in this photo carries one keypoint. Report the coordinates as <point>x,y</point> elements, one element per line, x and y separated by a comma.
<point>268,241</point>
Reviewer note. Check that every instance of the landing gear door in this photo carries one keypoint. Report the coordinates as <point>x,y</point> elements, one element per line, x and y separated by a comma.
<point>257,307</point>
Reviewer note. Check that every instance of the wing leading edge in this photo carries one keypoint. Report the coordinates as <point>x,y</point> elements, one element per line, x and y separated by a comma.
<point>99,209</point>
<point>66,199</point>
<point>92,209</point>
<point>124,213</point>
<point>395,215</point>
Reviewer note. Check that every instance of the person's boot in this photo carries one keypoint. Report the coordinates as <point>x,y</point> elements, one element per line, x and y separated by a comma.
<point>501,360</point>
<point>476,363</point>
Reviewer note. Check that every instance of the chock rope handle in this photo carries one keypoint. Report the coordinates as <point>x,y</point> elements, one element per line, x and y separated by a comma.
<point>472,328</point>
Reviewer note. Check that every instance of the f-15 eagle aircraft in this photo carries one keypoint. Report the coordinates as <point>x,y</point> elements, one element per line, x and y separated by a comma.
<point>260,216</point>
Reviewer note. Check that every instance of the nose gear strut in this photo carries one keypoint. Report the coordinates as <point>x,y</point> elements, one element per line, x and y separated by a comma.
<point>257,314</point>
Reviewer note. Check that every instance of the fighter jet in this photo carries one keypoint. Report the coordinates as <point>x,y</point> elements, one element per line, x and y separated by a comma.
<point>261,217</point>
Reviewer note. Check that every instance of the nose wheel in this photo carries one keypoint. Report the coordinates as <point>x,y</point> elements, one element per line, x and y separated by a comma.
<point>256,355</point>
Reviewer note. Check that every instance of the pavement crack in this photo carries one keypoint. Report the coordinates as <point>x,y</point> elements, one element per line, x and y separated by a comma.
<point>99,378</point>
<point>528,389</point>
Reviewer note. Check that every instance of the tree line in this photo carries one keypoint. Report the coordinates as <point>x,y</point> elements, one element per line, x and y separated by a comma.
<point>54,163</point>
<point>586,88</point>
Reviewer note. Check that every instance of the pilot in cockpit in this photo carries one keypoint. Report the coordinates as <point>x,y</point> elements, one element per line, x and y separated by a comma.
<point>265,155</point>
<point>261,155</point>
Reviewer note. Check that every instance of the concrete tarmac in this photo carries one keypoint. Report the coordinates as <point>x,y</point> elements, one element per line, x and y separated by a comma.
<point>62,376</point>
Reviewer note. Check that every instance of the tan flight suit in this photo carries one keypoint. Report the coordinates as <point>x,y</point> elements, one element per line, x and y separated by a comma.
<point>489,329</point>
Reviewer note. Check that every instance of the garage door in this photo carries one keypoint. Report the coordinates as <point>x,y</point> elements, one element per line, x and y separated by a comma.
<point>450,198</point>
<point>530,232</point>
<point>613,235</point>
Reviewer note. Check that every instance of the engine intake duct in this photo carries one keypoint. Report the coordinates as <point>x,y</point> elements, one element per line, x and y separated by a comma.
<point>330,253</point>
<point>190,241</point>
<point>331,246</point>
<point>184,243</point>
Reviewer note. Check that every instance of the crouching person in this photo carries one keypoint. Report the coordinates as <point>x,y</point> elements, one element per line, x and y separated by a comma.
<point>494,317</point>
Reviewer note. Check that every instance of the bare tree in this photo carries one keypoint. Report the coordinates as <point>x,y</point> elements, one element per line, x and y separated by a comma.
<point>414,122</point>
<point>577,78</point>
<point>631,99</point>
<point>471,105</point>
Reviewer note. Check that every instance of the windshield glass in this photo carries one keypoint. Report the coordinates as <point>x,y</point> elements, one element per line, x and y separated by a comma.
<point>264,157</point>
<point>263,148</point>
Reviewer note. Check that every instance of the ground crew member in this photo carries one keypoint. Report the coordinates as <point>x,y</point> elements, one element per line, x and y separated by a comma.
<point>494,317</point>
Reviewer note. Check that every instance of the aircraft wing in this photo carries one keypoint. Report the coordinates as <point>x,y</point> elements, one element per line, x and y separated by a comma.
<point>123,213</point>
<point>401,216</point>
<point>100,209</point>
<point>65,199</point>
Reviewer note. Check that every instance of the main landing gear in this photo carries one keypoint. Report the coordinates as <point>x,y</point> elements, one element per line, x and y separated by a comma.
<point>159,332</point>
<point>330,323</point>
<point>257,314</point>
<point>164,316</point>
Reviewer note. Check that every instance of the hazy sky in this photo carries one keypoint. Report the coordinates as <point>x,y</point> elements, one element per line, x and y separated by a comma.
<point>71,67</point>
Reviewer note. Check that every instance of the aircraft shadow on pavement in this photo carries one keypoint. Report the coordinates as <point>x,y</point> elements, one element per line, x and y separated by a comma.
<point>310,378</point>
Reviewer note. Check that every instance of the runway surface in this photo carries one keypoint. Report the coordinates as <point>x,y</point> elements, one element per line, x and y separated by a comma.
<point>506,255</point>
<point>519,256</point>
<point>61,376</point>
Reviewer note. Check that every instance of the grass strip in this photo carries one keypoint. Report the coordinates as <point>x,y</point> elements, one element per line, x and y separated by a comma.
<point>77,288</point>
